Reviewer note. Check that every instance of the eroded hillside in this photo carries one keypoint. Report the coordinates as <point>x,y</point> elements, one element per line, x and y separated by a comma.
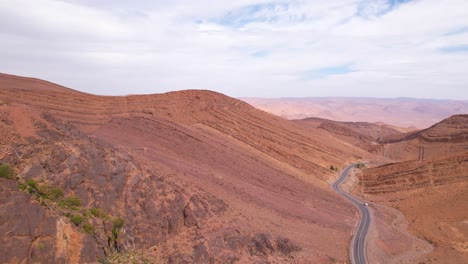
<point>194,175</point>
<point>428,187</point>
<point>367,136</point>
<point>444,139</point>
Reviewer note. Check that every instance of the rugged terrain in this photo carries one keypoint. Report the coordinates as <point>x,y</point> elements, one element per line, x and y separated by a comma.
<point>446,138</point>
<point>430,193</point>
<point>402,112</point>
<point>181,177</point>
<point>198,177</point>
<point>418,198</point>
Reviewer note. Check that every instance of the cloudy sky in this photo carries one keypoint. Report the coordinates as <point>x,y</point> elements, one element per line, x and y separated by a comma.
<point>371,48</point>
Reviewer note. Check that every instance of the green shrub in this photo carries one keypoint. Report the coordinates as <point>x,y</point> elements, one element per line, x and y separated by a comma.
<point>98,212</point>
<point>77,219</point>
<point>22,186</point>
<point>103,261</point>
<point>128,257</point>
<point>118,222</point>
<point>6,172</point>
<point>32,183</point>
<point>55,193</point>
<point>71,201</point>
<point>88,228</point>
<point>43,190</point>
<point>332,168</point>
<point>360,165</point>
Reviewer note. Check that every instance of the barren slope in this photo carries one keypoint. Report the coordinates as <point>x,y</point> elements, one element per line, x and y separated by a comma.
<point>446,138</point>
<point>422,199</point>
<point>364,135</point>
<point>196,175</point>
<point>431,194</point>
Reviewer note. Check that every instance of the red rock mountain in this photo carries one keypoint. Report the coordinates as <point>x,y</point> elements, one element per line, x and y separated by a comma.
<point>367,136</point>
<point>181,177</point>
<point>420,185</point>
<point>429,186</point>
<point>444,139</point>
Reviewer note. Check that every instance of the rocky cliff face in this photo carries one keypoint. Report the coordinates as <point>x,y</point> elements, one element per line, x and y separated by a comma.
<point>153,207</point>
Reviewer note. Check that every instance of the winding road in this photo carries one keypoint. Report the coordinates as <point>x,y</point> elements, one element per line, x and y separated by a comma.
<point>357,249</point>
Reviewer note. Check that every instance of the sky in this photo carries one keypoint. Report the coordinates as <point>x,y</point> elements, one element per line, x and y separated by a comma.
<point>244,48</point>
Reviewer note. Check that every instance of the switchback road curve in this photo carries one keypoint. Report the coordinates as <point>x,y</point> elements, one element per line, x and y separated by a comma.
<point>357,250</point>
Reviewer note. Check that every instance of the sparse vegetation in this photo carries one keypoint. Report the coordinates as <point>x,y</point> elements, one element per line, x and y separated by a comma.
<point>333,168</point>
<point>127,257</point>
<point>55,193</point>
<point>98,212</point>
<point>360,165</point>
<point>71,207</point>
<point>77,219</point>
<point>6,172</point>
<point>22,186</point>
<point>88,228</point>
<point>118,222</point>
<point>103,261</point>
<point>41,190</point>
<point>32,184</point>
<point>71,201</point>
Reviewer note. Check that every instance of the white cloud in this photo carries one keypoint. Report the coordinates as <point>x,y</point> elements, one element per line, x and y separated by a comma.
<point>242,48</point>
<point>59,19</point>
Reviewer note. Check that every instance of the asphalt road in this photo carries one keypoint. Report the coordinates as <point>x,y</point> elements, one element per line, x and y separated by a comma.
<point>357,249</point>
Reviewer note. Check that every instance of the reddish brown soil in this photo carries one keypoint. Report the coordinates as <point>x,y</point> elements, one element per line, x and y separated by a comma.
<point>431,194</point>
<point>410,175</point>
<point>435,214</point>
<point>444,139</point>
<point>361,134</point>
<point>418,215</point>
<point>201,177</point>
<point>197,176</point>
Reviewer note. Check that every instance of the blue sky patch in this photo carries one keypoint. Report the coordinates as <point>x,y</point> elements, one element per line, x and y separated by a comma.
<point>455,49</point>
<point>457,31</point>
<point>266,12</point>
<point>371,8</point>
<point>328,71</point>
<point>260,54</point>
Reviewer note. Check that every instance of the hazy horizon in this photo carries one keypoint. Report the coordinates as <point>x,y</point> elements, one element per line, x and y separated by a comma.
<point>245,48</point>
